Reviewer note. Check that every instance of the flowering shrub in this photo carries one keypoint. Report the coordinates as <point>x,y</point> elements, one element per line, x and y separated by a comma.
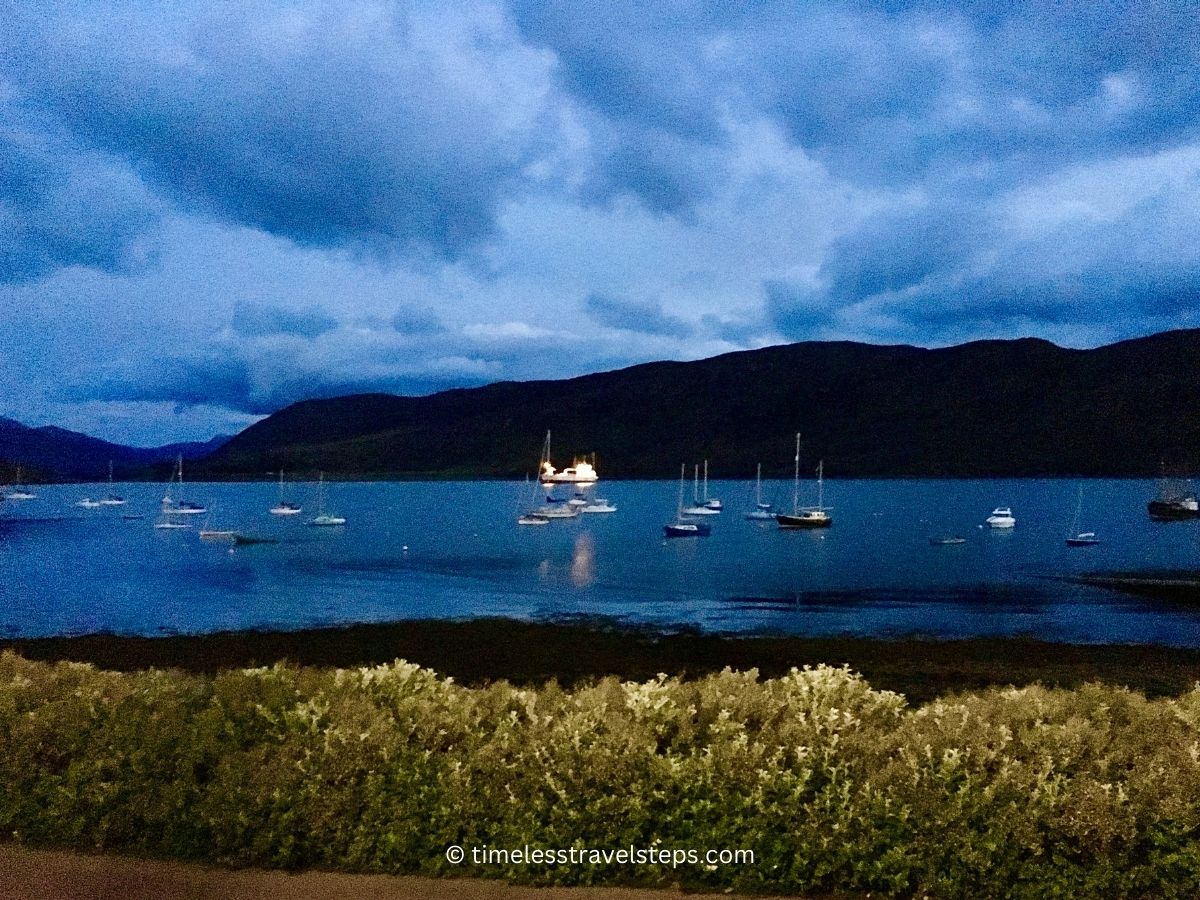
<point>835,786</point>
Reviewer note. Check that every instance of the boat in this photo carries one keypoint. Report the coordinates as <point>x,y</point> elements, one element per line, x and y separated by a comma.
<point>810,516</point>
<point>532,518</point>
<point>762,511</point>
<point>579,473</point>
<point>180,507</point>
<point>1075,537</point>
<point>18,492</point>
<point>1175,501</point>
<point>710,502</point>
<point>89,503</point>
<point>112,499</point>
<point>323,518</point>
<point>282,508</point>
<point>210,534</point>
<point>599,505</point>
<point>166,524</point>
<point>561,511</point>
<point>682,527</point>
<point>1001,517</point>
<point>698,508</point>
<point>947,541</point>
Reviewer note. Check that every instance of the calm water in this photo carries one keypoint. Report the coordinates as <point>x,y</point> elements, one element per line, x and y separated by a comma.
<point>65,570</point>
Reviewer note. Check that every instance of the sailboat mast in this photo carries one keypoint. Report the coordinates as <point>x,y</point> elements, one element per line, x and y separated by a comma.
<point>682,472</point>
<point>821,485</point>
<point>695,485</point>
<point>758,486</point>
<point>796,479</point>
<point>706,480</point>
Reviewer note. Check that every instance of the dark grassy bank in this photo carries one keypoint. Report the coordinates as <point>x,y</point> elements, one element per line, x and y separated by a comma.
<point>480,651</point>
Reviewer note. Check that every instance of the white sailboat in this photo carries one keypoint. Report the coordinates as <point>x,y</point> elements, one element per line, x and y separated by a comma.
<point>112,499</point>
<point>710,502</point>
<point>698,507</point>
<point>683,527</point>
<point>323,518</point>
<point>88,503</point>
<point>761,511</point>
<point>18,491</point>
<point>283,508</point>
<point>1075,537</point>
<point>173,507</point>
<point>810,516</point>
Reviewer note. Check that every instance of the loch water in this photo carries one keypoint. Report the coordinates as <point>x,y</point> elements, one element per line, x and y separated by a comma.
<point>453,550</point>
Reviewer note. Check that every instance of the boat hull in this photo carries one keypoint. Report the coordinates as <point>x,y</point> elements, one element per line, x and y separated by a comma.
<point>1171,511</point>
<point>797,523</point>
<point>687,529</point>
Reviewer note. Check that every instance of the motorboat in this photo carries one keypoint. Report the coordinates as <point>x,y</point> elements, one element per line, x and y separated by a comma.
<point>532,518</point>
<point>89,503</point>
<point>579,473</point>
<point>1001,517</point>
<point>599,505</point>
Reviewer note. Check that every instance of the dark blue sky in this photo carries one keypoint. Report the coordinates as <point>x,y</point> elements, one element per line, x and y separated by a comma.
<point>208,211</point>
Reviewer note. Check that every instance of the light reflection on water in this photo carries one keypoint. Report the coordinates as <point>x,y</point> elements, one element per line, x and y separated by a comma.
<point>68,570</point>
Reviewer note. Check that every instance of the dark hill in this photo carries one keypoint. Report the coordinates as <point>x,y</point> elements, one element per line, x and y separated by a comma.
<point>50,452</point>
<point>1023,407</point>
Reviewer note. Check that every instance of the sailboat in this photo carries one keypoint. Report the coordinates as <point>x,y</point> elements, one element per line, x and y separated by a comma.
<point>283,508</point>
<point>810,516</point>
<point>19,492</point>
<point>761,511</point>
<point>324,518</point>
<point>710,502</point>
<point>698,507</point>
<point>533,517</point>
<point>1075,537</point>
<point>89,503</point>
<point>180,507</point>
<point>682,527</point>
<point>1175,501</point>
<point>112,499</point>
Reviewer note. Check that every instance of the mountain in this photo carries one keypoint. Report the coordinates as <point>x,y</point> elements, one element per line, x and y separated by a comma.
<point>50,452</point>
<point>987,408</point>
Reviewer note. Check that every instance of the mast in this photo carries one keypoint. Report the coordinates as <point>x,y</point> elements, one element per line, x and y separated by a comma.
<point>796,479</point>
<point>758,486</point>
<point>679,509</point>
<point>821,485</point>
<point>110,473</point>
<point>695,485</point>
<point>706,481</point>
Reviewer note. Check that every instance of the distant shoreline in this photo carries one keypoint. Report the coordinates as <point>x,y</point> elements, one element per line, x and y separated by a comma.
<point>483,650</point>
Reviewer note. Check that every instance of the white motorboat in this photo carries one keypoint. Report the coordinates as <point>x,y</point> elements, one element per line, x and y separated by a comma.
<point>599,505</point>
<point>579,473</point>
<point>89,503</point>
<point>1001,517</point>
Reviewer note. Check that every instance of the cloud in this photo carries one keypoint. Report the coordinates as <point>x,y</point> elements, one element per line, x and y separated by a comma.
<point>417,321</point>
<point>388,129</point>
<point>61,206</point>
<point>632,315</point>
<point>253,320</point>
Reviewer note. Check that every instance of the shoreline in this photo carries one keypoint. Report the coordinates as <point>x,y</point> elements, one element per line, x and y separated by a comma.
<point>479,651</point>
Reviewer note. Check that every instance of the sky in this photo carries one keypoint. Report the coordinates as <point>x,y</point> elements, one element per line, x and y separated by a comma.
<point>211,210</point>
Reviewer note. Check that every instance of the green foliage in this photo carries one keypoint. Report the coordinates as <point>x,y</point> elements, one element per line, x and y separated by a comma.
<point>1093,792</point>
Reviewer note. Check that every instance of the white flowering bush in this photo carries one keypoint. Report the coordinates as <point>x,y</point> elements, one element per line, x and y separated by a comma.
<point>1093,792</point>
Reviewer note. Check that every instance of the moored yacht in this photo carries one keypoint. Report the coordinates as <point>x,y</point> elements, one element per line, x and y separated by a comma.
<point>810,516</point>
<point>762,511</point>
<point>1001,517</point>
<point>683,527</point>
